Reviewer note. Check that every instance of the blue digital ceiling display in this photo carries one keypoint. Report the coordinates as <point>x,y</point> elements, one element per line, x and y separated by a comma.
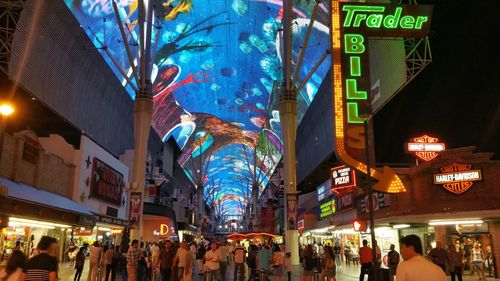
<point>216,64</point>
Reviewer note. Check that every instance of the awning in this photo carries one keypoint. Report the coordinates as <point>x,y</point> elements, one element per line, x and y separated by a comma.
<point>51,201</point>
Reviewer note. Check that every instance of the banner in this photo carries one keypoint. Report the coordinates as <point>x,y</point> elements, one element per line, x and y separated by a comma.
<point>106,183</point>
<point>135,209</point>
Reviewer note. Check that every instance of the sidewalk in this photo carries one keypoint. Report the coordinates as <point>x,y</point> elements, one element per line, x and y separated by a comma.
<point>344,273</point>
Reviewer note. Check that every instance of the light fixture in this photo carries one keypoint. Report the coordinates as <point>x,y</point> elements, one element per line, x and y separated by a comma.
<point>104,228</point>
<point>401,226</point>
<point>18,224</point>
<point>27,222</point>
<point>6,109</point>
<point>451,222</point>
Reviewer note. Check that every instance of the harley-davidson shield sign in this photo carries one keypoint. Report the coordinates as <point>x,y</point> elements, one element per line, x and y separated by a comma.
<point>457,177</point>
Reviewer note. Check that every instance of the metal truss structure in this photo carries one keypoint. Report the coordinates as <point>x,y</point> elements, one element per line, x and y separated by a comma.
<point>10,12</point>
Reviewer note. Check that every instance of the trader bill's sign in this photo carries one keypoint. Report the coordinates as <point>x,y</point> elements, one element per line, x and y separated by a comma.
<point>458,178</point>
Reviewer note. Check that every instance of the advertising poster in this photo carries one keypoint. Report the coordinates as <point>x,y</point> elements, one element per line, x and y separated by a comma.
<point>135,208</point>
<point>106,184</point>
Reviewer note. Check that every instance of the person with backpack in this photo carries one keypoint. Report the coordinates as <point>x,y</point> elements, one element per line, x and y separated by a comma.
<point>455,264</point>
<point>393,261</point>
<point>14,269</point>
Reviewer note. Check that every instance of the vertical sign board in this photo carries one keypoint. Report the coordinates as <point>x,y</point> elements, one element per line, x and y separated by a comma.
<point>352,23</point>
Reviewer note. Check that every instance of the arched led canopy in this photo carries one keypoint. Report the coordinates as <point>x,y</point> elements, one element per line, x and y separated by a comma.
<point>216,67</point>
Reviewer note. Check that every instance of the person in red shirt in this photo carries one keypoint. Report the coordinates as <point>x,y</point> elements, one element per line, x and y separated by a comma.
<point>365,258</point>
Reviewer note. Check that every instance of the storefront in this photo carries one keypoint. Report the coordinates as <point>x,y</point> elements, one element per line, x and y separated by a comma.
<point>452,199</point>
<point>31,213</point>
<point>158,223</point>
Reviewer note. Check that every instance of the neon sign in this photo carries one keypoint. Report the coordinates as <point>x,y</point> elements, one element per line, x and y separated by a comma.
<point>164,229</point>
<point>425,147</point>
<point>327,208</point>
<point>351,83</point>
<point>458,178</point>
<point>343,178</point>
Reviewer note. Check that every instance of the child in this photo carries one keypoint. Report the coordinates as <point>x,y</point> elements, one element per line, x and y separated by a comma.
<point>288,268</point>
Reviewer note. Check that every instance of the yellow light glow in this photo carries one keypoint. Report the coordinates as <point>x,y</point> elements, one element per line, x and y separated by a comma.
<point>6,109</point>
<point>27,222</point>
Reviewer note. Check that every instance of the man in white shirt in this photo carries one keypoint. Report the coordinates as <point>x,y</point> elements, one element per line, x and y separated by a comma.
<point>181,259</point>
<point>94,261</point>
<point>223,253</point>
<point>239,261</point>
<point>416,267</point>
<point>212,262</point>
<point>155,254</point>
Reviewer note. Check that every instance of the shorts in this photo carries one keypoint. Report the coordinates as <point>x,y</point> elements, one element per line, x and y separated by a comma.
<point>478,264</point>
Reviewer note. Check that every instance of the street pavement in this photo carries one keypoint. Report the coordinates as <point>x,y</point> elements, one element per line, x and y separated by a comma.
<point>344,273</point>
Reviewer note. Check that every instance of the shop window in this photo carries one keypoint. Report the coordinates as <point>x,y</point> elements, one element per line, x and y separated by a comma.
<point>30,150</point>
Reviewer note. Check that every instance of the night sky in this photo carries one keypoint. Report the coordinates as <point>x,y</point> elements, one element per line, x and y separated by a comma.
<point>457,97</point>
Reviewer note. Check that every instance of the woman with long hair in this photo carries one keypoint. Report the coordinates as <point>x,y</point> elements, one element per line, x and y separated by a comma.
<point>478,261</point>
<point>329,268</point>
<point>307,263</point>
<point>79,262</point>
<point>14,268</point>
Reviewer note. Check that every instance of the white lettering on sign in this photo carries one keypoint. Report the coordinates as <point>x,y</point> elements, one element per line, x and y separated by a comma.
<point>342,180</point>
<point>426,147</point>
<point>473,175</point>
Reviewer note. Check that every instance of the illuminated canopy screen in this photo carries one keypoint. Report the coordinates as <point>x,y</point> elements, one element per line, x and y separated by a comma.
<point>216,64</point>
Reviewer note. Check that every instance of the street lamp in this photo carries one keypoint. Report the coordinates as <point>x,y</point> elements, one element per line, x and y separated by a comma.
<point>6,109</point>
<point>375,271</point>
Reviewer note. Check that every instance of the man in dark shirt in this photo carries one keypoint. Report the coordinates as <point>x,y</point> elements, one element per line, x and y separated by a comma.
<point>167,255</point>
<point>42,267</point>
<point>336,251</point>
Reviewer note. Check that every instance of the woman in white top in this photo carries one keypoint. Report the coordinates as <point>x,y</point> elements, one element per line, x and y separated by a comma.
<point>478,261</point>
<point>14,268</point>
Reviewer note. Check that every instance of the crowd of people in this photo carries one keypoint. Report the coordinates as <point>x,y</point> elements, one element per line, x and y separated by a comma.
<point>176,261</point>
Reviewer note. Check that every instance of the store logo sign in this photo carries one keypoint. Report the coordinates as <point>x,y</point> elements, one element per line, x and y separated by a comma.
<point>458,178</point>
<point>343,177</point>
<point>425,147</point>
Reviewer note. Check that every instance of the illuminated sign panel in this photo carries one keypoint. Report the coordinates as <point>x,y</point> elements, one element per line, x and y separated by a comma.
<point>351,23</point>
<point>327,208</point>
<point>457,178</point>
<point>425,147</point>
<point>343,177</point>
<point>324,190</point>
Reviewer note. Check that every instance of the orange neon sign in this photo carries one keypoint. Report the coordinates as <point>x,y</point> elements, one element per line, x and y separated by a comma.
<point>164,229</point>
<point>458,178</point>
<point>425,147</point>
<point>349,137</point>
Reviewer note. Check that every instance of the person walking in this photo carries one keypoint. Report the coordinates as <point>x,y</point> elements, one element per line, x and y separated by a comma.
<point>393,261</point>
<point>415,266</point>
<point>43,266</point>
<point>200,255</point>
<point>239,254</point>
<point>366,259</point>
<point>455,264</point>
<point>478,261</point>
<point>307,263</point>
<point>277,262</point>
<point>13,271</point>
<point>94,261</point>
<point>79,263</point>
<point>288,266</point>
<point>181,258</point>
<point>133,257</point>
<point>108,261</point>
<point>212,262</point>
<point>336,252</point>
<point>223,255</point>
<point>167,255</point>
<point>329,270</point>
<point>438,256</point>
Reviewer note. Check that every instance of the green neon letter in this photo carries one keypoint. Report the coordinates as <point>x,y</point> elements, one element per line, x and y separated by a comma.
<point>351,10</point>
<point>352,113</point>
<point>420,21</point>
<point>354,44</point>
<point>374,21</point>
<point>407,22</point>
<point>358,19</point>
<point>351,86</point>
<point>391,21</point>
<point>355,66</point>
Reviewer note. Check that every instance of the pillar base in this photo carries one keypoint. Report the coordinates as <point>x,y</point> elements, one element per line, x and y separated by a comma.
<point>292,245</point>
